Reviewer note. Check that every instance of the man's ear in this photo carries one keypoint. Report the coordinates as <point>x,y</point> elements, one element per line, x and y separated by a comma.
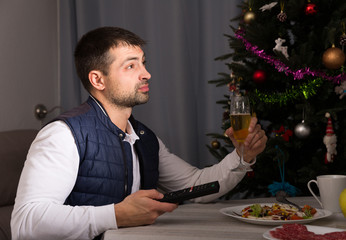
<point>96,79</point>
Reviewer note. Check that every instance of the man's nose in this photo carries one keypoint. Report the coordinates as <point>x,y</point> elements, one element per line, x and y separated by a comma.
<point>145,75</point>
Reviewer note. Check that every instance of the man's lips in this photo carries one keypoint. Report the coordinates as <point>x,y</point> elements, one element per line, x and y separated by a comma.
<point>144,88</point>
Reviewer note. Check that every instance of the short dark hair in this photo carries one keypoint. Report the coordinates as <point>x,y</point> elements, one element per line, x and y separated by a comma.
<point>92,50</point>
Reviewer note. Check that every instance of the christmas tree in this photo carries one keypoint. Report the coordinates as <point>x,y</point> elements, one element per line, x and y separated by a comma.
<point>288,56</point>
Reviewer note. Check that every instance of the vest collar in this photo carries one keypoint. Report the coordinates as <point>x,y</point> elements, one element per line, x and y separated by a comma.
<point>103,116</point>
<point>99,105</point>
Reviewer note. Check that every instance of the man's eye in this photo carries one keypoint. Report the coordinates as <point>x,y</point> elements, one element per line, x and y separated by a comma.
<point>130,66</point>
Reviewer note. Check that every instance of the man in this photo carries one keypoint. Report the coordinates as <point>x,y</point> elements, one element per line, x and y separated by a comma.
<point>95,167</point>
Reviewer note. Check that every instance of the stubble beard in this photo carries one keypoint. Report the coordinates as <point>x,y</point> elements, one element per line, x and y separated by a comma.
<point>123,100</point>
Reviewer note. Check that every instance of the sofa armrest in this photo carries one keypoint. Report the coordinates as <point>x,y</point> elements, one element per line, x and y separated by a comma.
<point>14,148</point>
<point>5,221</point>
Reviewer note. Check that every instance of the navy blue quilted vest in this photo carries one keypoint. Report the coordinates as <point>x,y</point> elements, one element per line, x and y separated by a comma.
<point>105,168</point>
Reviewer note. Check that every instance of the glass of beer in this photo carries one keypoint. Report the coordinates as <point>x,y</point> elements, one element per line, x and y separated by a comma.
<point>240,120</point>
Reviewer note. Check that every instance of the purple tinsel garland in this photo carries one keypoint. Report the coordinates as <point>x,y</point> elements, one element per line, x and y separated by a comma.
<point>281,67</point>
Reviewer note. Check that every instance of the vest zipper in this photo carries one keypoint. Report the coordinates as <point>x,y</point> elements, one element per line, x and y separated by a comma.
<point>125,165</point>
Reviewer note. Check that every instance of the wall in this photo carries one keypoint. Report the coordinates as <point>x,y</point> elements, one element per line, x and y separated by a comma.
<point>28,61</point>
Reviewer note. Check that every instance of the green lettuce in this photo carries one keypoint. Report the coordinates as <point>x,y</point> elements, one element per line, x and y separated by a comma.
<point>256,210</point>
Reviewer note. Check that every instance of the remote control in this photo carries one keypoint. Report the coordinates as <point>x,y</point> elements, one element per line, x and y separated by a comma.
<point>191,192</point>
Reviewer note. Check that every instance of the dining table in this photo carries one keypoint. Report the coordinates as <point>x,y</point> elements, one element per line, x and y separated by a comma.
<point>205,221</point>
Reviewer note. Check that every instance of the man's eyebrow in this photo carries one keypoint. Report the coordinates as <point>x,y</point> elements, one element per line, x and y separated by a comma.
<point>132,58</point>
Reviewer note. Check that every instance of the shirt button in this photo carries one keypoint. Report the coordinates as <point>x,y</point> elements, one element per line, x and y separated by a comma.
<point>141,132</point>
<point>121,135</point>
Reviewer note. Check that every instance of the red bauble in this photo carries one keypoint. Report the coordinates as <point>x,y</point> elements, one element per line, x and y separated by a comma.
<point>310,9</point>
<point>259,76</point>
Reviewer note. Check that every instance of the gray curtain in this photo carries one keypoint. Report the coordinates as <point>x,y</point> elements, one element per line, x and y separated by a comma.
<point>184,37</point>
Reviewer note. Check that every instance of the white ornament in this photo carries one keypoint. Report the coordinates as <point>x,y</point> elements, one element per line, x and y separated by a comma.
<point>341,89</point>
<point>280,48</point>
<point>268,6</point>
<point>302,130</point>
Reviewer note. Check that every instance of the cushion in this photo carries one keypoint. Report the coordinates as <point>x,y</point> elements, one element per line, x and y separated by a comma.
<point>14,148</point>
<point>5,218</point>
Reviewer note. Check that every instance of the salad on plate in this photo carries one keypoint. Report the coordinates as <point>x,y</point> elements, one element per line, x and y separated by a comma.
<point>277,211</point>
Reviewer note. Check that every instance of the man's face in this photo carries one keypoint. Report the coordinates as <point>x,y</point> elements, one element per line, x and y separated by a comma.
<point>127,81</point>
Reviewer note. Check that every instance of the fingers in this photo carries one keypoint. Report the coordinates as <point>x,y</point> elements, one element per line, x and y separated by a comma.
<point>254,135</point>
<point>254,143</point>
<point>229,133</point>
<point>252,125</point>
<point>153,194</point>
<point>258,140</point>
<point>141,208</point>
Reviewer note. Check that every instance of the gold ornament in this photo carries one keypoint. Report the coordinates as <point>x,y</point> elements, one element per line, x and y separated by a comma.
<point>249,17</point>
<point>333,58</point>
<point>215,144</point>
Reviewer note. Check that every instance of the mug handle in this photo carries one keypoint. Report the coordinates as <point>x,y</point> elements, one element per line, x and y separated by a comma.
<point>312,192</point>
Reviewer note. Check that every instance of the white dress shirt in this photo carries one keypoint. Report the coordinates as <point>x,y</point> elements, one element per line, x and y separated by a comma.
<point>131,137</point>
<point>50,172</point>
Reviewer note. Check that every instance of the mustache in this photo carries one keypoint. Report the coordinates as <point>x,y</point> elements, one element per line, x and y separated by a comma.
<point>141,84</point>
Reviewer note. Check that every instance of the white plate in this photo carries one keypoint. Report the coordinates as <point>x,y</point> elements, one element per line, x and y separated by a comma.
<point>233,211</point>
<point>311,228</point>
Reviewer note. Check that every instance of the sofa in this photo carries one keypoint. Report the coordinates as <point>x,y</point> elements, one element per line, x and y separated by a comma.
<point>14,146</point>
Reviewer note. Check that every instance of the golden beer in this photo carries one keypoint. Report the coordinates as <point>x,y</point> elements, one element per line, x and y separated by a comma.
<point>240,124</point>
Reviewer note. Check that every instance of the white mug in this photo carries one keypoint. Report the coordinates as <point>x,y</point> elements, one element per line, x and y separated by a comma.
<point>330,187</point>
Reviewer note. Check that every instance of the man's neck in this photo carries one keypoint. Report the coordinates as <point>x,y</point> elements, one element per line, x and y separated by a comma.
<point>118,115</point>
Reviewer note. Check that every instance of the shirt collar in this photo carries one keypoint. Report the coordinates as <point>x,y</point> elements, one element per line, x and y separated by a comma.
<point>131,135</point>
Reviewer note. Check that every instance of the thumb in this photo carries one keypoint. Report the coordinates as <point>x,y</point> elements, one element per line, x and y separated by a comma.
<point>230,134</point>
<point>152,193</point>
